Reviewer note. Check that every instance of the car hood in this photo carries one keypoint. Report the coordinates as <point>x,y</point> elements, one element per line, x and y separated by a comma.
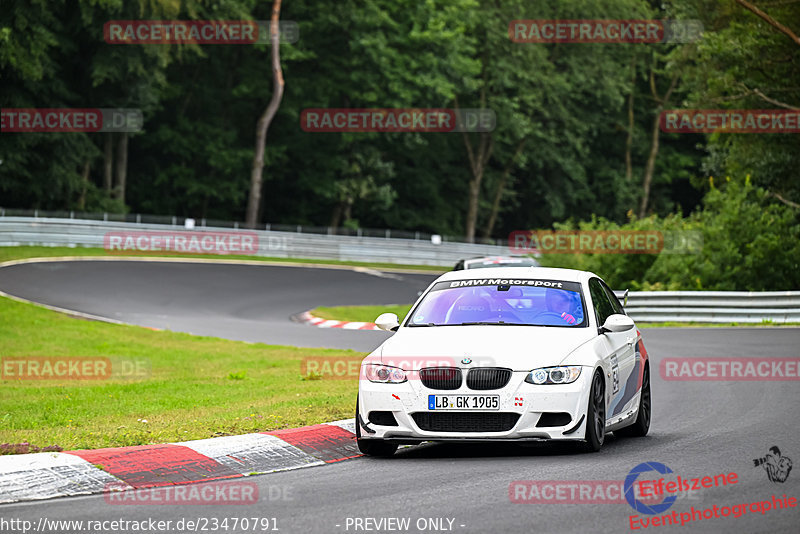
<point>520,348</point>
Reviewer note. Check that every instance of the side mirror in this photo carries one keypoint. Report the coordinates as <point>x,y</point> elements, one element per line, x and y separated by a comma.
<point>389,322</point>
<point>616,323</point>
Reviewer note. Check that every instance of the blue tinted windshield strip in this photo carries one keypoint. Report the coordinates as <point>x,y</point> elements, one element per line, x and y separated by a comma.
<point>477,282</point>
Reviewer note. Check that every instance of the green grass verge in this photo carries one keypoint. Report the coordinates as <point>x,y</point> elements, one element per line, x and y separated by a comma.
<point>198,387</point>
<point>17,253</point>
<point>369,313</point>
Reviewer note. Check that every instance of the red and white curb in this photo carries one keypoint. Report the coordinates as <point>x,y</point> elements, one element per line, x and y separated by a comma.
<point>319,322</point>
<point>47,475</point>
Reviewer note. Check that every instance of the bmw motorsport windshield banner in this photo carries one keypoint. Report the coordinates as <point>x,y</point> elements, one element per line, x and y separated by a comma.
<point>556,284</point>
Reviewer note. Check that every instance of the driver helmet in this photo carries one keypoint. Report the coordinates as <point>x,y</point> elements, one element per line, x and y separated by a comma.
<point>559,301</point>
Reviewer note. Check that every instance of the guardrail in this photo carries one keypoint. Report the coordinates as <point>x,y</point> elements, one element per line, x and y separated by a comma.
<point>276,244</point>
<point>714,306</point>
<point>678,306</point>
<point>176,221</point>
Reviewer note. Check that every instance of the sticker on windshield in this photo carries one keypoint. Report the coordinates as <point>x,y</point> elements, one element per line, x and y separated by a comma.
<point>478,282</point>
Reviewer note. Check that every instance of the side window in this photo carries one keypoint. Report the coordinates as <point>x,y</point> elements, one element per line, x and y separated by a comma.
<point>615,304</point>
<point>600,301</point>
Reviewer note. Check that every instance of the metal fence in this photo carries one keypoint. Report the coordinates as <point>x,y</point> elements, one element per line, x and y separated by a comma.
<point>678,306</point>
<point>391,248</point>
<point>176,221</point>
<point>714,306</point>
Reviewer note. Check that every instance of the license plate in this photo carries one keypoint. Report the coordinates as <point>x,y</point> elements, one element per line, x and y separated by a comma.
<point>463,402</point>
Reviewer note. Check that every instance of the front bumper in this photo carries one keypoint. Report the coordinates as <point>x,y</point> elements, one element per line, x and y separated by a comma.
<point>528,403</point>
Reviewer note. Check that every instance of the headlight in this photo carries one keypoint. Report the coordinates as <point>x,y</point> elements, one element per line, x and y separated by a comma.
<point>553,375</point>
<point>384,374</point>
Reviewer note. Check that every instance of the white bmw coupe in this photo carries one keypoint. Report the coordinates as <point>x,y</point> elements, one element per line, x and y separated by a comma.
<point>506,354</point>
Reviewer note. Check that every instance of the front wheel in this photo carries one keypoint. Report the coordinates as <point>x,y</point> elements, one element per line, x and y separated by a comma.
<point>596,415</point>
<point>372,447</point>
<point>376,447</point>
<point>642,424</point>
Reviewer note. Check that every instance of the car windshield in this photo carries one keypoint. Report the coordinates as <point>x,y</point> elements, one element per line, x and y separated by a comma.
<point>501,302</point>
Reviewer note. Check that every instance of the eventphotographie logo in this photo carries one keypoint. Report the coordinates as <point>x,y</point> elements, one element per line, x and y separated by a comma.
<point>635,502</point>
<point>776,465</point>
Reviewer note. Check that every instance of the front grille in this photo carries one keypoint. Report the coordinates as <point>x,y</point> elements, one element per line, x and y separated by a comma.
<point>483,378</point>
<point>465,421</point>
<point>441,377</point>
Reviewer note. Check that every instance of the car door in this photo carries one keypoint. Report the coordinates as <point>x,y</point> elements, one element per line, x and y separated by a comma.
<point>618,350</point>
<point>630,367</point>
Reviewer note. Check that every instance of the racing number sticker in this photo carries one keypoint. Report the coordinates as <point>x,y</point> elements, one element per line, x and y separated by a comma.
<point>614,374</point>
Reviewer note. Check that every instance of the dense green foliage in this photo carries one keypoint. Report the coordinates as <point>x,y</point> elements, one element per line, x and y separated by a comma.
<point>568,118</point>
<point>749,243</point>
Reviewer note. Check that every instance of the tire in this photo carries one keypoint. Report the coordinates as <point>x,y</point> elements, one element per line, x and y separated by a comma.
<point>376,447</point>
<point>596,415</point>
<point>640,427</point>
<point>372,447</point>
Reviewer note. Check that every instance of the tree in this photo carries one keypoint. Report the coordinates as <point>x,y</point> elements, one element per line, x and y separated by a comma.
<point>660,103</point>
<point>266,118</point>
<point>556,99</point>
<point>746,60</point>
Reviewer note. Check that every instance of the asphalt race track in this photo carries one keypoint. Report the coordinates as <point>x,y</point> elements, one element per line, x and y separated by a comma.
<point>699,428</point>
<point>242,302</point>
